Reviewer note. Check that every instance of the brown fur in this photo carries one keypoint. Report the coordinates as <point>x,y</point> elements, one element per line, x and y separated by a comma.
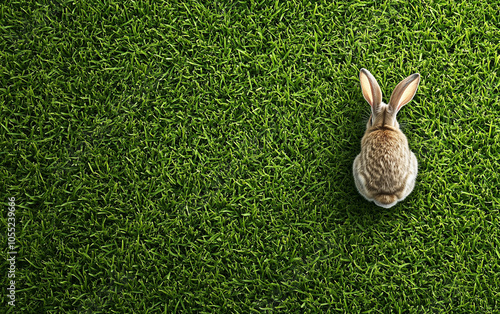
<point>384,156</point>
<point>386,198</point>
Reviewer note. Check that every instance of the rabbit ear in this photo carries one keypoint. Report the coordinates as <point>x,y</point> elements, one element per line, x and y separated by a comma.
<point>404,92</point>
<point>370,88</point>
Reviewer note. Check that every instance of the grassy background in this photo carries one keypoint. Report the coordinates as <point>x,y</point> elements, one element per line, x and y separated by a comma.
<point>196,156</point>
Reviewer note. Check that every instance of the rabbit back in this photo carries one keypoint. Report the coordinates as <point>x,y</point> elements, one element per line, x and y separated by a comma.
<point>386,169</point>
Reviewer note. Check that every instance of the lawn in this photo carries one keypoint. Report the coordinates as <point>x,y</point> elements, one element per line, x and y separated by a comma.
<point>196,156</point>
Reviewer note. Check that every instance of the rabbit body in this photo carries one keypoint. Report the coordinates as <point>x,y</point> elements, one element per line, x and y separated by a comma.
<point>385,171</point>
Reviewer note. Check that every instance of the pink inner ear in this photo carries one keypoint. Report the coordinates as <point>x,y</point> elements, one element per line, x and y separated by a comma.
<point>367,89</point>
<point>407,95</point>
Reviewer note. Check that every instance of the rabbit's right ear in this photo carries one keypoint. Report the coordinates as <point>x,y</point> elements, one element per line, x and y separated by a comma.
<point>404,92</point>
<point>371,89</point>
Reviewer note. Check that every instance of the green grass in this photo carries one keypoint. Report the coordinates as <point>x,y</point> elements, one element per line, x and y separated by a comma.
<point>196,156</point>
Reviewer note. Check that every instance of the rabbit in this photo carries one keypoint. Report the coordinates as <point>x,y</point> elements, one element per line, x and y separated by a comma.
<point>385,171</point>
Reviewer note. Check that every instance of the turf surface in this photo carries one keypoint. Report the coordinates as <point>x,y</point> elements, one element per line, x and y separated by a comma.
<point>196,156</point>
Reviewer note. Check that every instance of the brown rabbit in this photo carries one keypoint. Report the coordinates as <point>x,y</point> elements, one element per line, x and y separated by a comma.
<point>386,169</point>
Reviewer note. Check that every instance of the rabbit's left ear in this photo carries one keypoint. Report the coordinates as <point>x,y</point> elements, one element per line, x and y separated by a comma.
<point>371,90</point>
<point>404,92</point>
